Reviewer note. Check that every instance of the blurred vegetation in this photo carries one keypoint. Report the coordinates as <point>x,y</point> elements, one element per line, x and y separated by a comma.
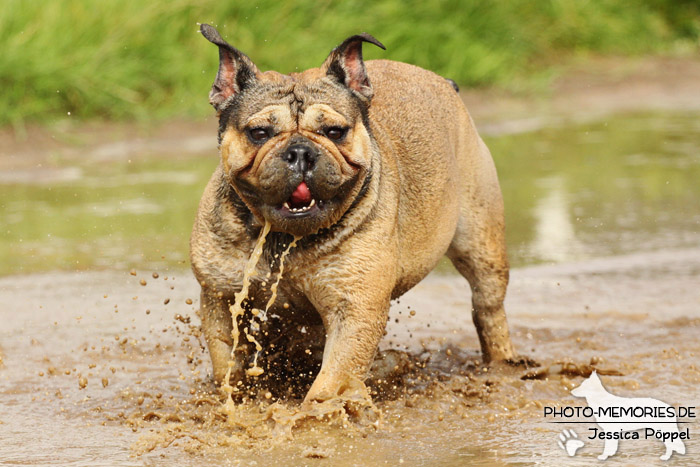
<point>129,59</point>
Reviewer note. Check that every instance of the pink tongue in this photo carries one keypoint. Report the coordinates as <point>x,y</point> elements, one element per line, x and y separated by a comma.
<point>301,195</point>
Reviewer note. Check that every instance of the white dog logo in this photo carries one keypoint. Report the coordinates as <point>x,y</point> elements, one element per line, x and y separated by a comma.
<point>617,415</point>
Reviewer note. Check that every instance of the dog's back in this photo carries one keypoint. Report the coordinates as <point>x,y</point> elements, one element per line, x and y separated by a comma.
<point>446,173</point>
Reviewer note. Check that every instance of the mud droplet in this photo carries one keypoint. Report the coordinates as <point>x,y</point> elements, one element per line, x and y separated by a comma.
<point>182,319</point>
<point>632,385</point>
<point>105,382</point>
<point>155,275</point>
<point>255,371</point>
<point>166,301</point>
<point>143,282</point>
<point>132,272</point>
<point>412,312</point>
<point>82,382</point>
<point>188,301</point>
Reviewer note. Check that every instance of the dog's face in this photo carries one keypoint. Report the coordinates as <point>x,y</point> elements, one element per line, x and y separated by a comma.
<point>296,149</point>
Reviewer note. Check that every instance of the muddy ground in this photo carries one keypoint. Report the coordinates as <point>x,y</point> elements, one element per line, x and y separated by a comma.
<point>98,369</point>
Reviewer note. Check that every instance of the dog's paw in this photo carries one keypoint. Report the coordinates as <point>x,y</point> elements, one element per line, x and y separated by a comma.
<point>569,442</point>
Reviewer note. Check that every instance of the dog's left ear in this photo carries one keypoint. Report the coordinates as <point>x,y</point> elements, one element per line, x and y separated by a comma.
<point>345,64</point>
<point>236,70</point>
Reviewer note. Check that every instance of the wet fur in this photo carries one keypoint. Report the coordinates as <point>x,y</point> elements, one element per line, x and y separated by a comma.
<point>428,187</point>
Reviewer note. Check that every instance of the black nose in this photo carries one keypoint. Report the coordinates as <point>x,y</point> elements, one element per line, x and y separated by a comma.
<point>300,157</point>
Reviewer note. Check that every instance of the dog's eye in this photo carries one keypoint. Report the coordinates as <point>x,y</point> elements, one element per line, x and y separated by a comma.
<point>335,133</point>
<point>259,134</point>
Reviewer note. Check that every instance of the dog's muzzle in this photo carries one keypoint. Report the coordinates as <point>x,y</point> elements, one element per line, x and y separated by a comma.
<point>301,157</point>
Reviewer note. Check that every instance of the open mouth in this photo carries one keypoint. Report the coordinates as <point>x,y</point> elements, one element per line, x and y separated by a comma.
<point>298,209</point>
<point>301,202</point>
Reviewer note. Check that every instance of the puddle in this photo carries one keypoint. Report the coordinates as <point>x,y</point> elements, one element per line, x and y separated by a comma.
<point>620,185</point>
<point>102,367</point>
<point>617,186</point>
<point>117,215</point>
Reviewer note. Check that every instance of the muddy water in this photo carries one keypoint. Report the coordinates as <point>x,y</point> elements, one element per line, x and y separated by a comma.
<point>99,369</point>
<point>572,192</point>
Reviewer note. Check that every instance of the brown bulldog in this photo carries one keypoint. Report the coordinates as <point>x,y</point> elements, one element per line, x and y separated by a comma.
<point>376,168</point>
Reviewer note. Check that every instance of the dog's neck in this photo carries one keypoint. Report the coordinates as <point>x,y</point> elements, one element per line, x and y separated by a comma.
<point>596,394</point>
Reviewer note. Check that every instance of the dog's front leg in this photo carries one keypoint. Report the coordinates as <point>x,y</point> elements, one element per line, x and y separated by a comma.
<point>609,449</point>
<point>354,316</point>
<point>216,327</point>
<point>352,338</point>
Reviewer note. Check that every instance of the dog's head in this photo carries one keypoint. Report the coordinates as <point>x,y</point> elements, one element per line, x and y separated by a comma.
<point>297,149</point>
<point>589,387</point>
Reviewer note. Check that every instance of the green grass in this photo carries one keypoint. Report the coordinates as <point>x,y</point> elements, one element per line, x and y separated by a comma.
<point>129,59</point>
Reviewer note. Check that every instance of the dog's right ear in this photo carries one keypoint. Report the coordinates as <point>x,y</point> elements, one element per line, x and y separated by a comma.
<point>236,70</point>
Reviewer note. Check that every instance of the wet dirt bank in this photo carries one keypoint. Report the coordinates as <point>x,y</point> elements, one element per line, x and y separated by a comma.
<point>100,370</point>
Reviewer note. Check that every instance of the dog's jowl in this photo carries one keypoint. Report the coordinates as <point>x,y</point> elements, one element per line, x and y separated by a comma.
<point>377,171</point>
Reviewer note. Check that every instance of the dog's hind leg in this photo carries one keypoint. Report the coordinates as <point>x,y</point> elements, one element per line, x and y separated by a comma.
<point>676,445</point>
<point>478,251</point>
<point>669,451</point>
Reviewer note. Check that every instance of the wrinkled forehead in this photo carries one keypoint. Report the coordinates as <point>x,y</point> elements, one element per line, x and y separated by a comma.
<point>277,96</point>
